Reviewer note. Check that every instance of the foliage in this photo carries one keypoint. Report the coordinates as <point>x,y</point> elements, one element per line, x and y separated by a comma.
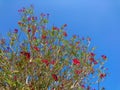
<point>38,58</point>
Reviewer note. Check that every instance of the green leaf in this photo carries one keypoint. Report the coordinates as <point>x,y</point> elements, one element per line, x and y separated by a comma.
<point>45,21</point>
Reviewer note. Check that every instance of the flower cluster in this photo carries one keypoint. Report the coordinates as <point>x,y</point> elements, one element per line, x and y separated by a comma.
<point>46,59</point>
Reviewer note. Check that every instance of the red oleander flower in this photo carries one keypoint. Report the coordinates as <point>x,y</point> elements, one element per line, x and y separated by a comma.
<point>65,34</point>
<point>2,41</point>
<point>26,54</point>
<point>20,23</point>
<point>29,30</point>
<point>76,61</point>
<point>36,48</point>
<point>53,62</point>
<point>104,57</point>
<point>16,31</point>
<point>95,62</point>
<point>29,18</point>
<point>83,86</point>
<point>15,78</point>
<point>92,59</point>
<point>34,38</point>
<point>45,61</point>
<point>92,54</point>
<point>43,36</point>
<point>102,75</point>
<point>78,71</point>
<point>55,28</point>
<point>55,77</point>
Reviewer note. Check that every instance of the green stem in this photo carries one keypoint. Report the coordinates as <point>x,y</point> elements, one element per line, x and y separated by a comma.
<point>98,84</point>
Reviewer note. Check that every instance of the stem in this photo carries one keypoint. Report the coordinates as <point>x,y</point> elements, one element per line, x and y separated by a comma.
<point>98,84</point>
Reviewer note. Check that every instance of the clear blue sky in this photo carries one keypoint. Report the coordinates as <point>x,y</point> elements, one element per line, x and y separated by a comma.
<point>99,19</point>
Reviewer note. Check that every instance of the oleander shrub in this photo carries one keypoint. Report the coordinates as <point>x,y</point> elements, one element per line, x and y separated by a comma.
<point>37,57</point>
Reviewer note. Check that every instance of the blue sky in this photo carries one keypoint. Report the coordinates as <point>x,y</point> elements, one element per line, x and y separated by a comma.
<point>99,19</point>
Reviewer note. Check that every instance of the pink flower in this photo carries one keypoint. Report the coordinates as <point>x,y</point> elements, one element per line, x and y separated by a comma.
<point>76,61</point>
